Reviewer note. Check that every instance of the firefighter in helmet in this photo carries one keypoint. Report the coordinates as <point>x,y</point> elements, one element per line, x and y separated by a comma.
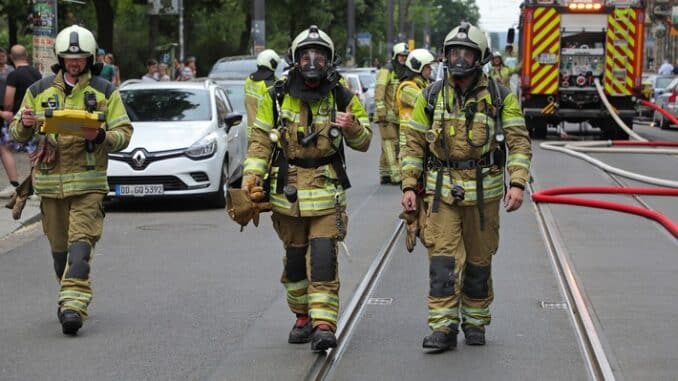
<point>297,142</point>
<point>69,171</point>
<point>414,80</point>
<point>388,79</point>
<point>464,132</point>
<point>258,83</point>
<point>500,72</point>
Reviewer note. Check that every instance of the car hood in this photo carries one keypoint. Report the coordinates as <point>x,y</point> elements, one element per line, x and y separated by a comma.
<point>163,136</point>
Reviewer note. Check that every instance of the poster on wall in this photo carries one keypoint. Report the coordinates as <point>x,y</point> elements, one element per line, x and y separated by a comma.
<point>44,33</point>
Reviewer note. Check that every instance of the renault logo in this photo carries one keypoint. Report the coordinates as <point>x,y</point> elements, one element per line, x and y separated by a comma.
<point>139,158</point>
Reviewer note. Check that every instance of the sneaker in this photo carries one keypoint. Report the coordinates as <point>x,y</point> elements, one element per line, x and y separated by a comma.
<point>474,335</point>
<point>323,339</point>
<point>301,331</point>
<point>441,341</point>
<point>71,321</point>
<point>7,191</point>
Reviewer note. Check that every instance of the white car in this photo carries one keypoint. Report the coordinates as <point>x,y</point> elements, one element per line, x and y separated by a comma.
<point>186,142</point>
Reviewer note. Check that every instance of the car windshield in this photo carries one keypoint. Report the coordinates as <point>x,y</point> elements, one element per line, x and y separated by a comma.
<point>236,94</point>
<point>368,80</point>
<point>165,105</point>
<point>662,82</point>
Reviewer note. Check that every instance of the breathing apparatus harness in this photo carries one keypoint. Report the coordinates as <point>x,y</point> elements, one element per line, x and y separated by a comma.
<point>497,157</point>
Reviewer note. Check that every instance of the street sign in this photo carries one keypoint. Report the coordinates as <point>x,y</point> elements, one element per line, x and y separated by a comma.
<point>364,39</point>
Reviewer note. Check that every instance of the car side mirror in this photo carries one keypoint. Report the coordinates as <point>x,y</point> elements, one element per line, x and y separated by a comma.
<point>232,119</point>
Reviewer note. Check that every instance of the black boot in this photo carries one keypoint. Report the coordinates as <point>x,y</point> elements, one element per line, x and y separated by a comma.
<point>71,321</point>
<point>385,180</point>
<point>474,335</point>
<point>323,339</point>
<point>441,340</point>
<point>301,331</point>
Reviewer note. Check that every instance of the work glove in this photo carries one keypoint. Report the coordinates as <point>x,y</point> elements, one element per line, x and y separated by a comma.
<point>17,201</point>
<point>242,209</point>
<point>253,185</point>
<point>411,229</point>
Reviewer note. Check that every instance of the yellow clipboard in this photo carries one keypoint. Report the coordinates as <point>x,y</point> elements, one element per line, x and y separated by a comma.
<point>69,122</point>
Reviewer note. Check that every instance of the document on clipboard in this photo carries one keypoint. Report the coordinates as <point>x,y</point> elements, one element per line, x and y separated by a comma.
<point>70,122</point>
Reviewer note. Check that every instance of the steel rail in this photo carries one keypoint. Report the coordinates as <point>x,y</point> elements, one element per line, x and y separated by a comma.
<point>324,364</point>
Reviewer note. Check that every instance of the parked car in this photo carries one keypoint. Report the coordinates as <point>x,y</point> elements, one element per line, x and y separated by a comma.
<point>666,100</point>
<point>361,82</point>
<point>186,142</point>
<point>238,67</point>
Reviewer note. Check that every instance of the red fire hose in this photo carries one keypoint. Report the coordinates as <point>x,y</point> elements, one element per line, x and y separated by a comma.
<point>553,195</point>
<point>666,114</point>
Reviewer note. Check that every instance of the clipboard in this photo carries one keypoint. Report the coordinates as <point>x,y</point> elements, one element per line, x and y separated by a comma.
<point>69,122</point>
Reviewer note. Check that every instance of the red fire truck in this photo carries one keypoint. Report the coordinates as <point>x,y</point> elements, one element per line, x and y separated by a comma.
<point>564,46</point>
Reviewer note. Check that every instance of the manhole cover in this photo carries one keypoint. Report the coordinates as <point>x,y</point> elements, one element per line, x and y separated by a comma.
<point>176,227</point>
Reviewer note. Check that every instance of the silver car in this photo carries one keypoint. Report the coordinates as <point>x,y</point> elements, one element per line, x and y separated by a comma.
<point>186,142</point>
<point>666,99</point>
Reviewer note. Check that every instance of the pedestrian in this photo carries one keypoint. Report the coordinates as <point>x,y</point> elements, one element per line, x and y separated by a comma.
<point>107,70</point>
<point>188,71</point>
<point>666,68</point>
<point>69,171</point>
<point>5,116</point>
<point>414,80</point>
<point>162,72</point>
<point>5,69</point>
<point>18,81</point>
<point>178,67</point>
<point>151,71</point>
<point>110,59</point>
<point>309,211</point>
<point>498,71</point>
<point>388,79</point>
<point>257,83</point>
<point>457,144</point>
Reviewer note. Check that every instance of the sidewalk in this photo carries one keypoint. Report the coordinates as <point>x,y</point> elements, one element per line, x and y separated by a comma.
<point>31,212</point>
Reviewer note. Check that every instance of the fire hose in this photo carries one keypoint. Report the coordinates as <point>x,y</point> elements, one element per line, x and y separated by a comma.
<point>640,145</point>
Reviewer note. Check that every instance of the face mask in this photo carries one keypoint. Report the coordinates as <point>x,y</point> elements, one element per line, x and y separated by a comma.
<point>312,60</point>
<point>462,56</point>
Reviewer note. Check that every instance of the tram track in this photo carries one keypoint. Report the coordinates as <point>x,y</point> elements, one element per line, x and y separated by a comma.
<point>325,363</point>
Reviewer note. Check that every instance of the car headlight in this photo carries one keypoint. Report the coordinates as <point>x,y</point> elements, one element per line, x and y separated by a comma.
<point>203,148</point>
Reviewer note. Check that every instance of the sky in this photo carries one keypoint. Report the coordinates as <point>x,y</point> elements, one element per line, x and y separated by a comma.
<point>498,15</point>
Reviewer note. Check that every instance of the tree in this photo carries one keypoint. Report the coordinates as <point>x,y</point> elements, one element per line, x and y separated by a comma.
<point>105,24</point>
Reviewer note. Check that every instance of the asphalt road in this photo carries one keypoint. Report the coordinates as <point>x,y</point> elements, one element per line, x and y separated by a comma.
<point>181,294</point>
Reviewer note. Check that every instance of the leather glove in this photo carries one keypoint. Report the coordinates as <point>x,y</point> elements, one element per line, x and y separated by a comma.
<point>242,209</point>
<point>252,184</point>
<point>17,201</point>
<point>412,229</point>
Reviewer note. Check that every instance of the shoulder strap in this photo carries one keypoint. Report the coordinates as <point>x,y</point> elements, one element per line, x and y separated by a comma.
<point>431,94</point>
<point>41,85</point>
<point>277,93</point>
<point>342,96</point>
<point>102,85</point>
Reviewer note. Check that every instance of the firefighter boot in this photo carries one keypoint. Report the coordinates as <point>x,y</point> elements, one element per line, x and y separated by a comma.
<point>385,180</point>
<point>301,331</point>
<point>70,320</point>
<point>323,339</point>
<point>474,335</point>
<point>441,340</point>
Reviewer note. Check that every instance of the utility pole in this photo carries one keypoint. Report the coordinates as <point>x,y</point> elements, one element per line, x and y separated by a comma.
<point>401,22</point>
<point>181,31</point>
<point>389,27</point>
<point>259,26</point>
<point>350,44</point>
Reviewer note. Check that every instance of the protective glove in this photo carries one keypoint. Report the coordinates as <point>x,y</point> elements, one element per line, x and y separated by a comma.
<point>412,229</point>
<point>253,185</point>
<point>17,201</point>
<point>242,209</point>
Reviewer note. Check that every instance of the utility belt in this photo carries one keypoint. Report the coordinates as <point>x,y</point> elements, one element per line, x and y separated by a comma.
<point>495,157</point>
<point>283,164</point>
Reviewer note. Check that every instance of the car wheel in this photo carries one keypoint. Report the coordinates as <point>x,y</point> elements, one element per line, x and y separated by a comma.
<point>664,123</point>
<point>218,199</point>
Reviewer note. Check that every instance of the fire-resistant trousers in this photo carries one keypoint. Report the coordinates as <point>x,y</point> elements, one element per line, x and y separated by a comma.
<point>460,263</point>
<point>73,226</point>
<point>311,273</point>
<point>389,165</point>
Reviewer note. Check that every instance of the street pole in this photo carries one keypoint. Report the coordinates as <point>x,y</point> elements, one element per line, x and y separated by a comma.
<point>389,27</point>
<point>181,31</point>
<point>350,44</point>
<point>259,26</point>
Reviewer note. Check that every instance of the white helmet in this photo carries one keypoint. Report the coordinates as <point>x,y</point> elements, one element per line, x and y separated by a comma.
<point>268,59</point>
<point>418,58</point>
<point>467,36</point>
<point>75,42</point>
<point>313,38</point>
<point>399,49</point>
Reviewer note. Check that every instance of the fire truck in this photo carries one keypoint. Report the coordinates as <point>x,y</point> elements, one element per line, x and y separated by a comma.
<point>564,46</point>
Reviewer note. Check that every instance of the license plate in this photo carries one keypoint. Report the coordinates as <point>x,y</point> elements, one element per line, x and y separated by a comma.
<point>139,190</point>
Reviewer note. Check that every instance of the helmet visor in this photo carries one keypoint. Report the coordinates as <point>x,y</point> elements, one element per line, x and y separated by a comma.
<point>459,55</point>
<point>312,59</point>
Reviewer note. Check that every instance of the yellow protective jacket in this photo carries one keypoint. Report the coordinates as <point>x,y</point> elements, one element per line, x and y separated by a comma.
<point>501,74</point>
<point>75,171</point>
<point>254,92</point>
<point>406,94</point>
<point>318,189</point>
<point>453,129</point>
<point>385,96</point>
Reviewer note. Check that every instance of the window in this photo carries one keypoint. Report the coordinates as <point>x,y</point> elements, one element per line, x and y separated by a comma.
<point>157,105</point>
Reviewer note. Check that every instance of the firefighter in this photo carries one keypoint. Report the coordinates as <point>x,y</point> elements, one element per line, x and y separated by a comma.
<point>388,80</point>
<point>258,82</point>
<point>414,80</point>
<point>457,137</point>
<point>500,72</point>
<point>69,171</point>
<point>298,143</point>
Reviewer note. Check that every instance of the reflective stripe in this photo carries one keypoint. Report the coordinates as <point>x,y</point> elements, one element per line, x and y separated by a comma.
<point>70,182</point>
<point>293,286</point>
<point>513,122</point>
<point>362,138</point>
<point>256,165</point>
<point>323,298</point>
<point>417,126</point>
<point>258,123</point>
<point>493,186</point>
<point>412,163</point>
<point>518,160</point>
<point>323,314</point>
<point>117,121</point>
